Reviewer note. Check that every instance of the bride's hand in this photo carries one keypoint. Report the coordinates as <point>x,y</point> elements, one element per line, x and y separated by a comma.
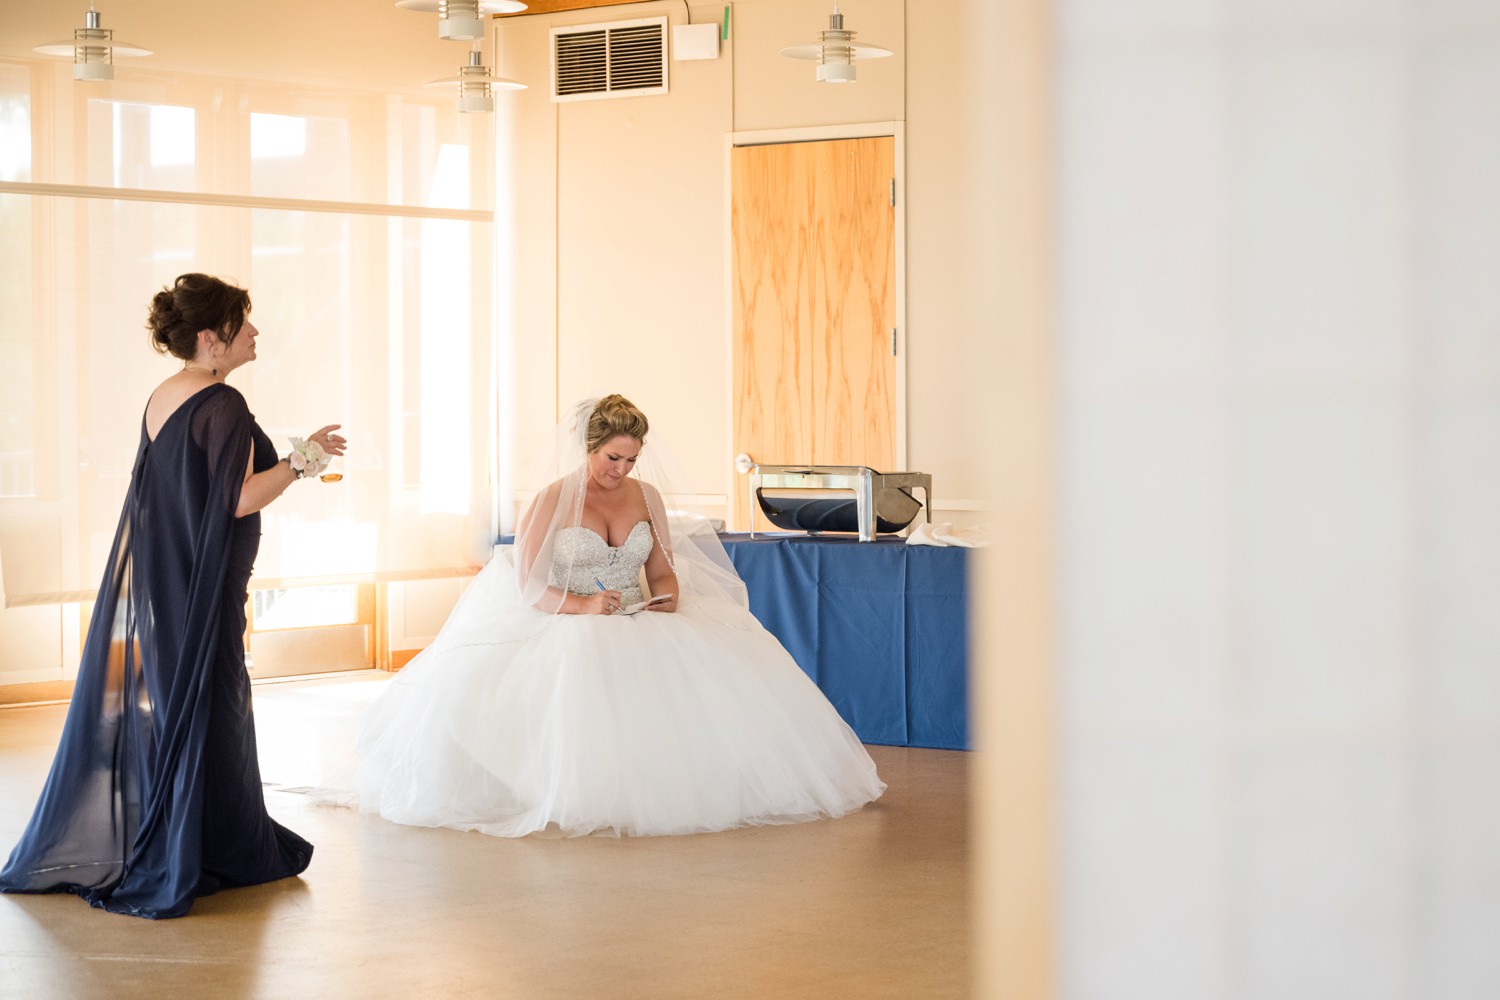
<point>606,602</point>
<point>670,604</point>
<point>331,443</point>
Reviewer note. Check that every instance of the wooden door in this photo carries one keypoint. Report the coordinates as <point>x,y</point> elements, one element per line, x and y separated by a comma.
<point>814,244</point>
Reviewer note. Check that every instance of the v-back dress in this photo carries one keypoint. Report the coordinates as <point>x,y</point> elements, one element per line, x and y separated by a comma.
<point>154,797</point>
<point>516,721</point>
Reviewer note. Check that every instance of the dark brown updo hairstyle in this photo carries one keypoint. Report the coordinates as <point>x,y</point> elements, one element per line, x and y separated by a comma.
<point>195,302</point>
<point>613,416</point>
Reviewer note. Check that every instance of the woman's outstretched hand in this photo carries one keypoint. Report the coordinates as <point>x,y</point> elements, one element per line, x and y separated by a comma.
<point>331,443</point>
<point>260,488</point>
<point>606,602</point>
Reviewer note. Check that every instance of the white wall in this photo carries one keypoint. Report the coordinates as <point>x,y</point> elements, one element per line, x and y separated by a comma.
<point>1280,379</point>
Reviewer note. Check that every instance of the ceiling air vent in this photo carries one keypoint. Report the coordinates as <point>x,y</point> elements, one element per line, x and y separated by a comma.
<point>623,59</point>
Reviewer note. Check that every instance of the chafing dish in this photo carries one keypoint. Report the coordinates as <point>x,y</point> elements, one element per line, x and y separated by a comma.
<point>819,498</point>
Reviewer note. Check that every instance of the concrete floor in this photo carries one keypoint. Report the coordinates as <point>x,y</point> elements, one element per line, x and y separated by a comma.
<point>871,905</point>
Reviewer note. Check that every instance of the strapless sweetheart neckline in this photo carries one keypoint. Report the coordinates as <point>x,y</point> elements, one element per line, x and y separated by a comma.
<point>605,541</point>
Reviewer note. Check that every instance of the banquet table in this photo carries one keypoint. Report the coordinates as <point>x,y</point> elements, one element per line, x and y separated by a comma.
<point>881,627</point>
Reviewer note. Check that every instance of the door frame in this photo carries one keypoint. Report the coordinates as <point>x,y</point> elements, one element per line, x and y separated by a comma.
<point>817,133</point>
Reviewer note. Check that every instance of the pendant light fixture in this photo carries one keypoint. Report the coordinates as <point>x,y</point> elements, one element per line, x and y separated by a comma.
<point>836,51</point>
<point>462,20</point>
<point>475,84</point>
<point>93,49</point>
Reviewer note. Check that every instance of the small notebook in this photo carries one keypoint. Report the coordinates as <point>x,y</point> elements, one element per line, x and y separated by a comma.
<point>632,609</point>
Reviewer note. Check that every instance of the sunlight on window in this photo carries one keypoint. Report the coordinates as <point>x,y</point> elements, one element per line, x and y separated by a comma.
<point>277,136</point>
<point>18,376</point>
<point>446,457</point>
<point>378,314</point>
<point>450,178</point>
<point>307,545</point>
<point>173,135</point>
<point>302,607</point>
<point>15,137</point>
<point>18,344</point>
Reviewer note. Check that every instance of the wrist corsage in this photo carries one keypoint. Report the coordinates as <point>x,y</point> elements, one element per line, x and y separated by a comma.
<point>307,458</point>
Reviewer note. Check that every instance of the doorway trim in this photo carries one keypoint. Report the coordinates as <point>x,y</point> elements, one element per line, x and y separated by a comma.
<point>817,133</point>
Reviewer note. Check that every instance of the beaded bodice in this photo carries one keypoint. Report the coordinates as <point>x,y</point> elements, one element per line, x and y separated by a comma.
<point>580,556</point>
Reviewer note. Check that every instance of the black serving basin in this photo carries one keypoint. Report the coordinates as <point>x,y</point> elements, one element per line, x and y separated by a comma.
<point>830,510</point>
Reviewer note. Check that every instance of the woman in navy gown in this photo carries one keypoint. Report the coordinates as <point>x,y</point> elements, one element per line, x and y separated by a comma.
<point>154,797</point>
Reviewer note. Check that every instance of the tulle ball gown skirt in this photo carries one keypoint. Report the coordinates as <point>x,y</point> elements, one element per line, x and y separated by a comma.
<point>655,723</point>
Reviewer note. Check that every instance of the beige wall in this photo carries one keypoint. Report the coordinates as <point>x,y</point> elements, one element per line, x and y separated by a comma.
<point>633,294</point>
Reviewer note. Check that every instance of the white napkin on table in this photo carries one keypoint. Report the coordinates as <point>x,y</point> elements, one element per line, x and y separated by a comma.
<point>945,534</point>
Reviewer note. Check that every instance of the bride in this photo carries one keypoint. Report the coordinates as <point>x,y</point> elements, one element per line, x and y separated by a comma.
<point>547,701</point>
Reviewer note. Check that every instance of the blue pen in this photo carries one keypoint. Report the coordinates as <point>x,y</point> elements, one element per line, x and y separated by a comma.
<point>601,586</point>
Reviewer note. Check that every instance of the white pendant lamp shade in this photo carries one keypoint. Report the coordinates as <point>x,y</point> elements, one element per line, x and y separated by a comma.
<point>836,51</point>
<point>93,49</point>
<point>475,85</point>
<point>462,20</point>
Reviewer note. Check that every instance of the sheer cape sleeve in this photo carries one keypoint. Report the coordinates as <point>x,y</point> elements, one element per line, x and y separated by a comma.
<point>121,818</point>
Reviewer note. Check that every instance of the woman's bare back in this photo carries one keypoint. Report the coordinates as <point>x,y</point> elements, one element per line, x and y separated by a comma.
<point>170,395</point>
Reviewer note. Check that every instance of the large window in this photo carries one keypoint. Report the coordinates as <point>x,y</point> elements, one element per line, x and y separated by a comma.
<point>18,418</point>
<point>362,225</point>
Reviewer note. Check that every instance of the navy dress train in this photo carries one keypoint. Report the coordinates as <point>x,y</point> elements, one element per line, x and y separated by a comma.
<point>154,797</point>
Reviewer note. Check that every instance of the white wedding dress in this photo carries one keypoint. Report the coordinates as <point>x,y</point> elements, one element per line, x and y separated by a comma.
<point>517,721</point>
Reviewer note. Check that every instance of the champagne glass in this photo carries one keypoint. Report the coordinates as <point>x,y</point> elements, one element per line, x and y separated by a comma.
<point>335,470</point>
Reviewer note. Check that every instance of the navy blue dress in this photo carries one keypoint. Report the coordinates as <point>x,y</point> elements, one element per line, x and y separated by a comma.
<point>154,797</point>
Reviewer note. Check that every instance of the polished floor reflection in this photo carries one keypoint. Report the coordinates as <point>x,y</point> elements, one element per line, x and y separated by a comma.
<point>871,905</point>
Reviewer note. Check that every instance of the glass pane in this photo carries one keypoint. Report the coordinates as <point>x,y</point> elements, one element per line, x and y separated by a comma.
<point>15,123</point>
<point>377,323</point>
<point>304,607</point>
<point>331,151</point>
<point>444,414</point>
<point>444,160</point>
<point>18,346</point>
<point>389,348</point>
<point>150,146</point>
<point>302,157</point>
<point>354,333</point>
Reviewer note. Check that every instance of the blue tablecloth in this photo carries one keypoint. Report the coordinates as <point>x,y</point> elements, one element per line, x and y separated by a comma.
<point>881,627</point>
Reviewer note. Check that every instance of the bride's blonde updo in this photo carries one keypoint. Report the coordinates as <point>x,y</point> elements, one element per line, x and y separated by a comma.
<point>613,416</point>
<point>195,302</point>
